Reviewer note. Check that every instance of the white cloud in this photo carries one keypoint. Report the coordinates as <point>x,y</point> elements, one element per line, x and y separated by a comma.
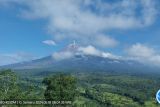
<point>105,41</point>
<point>91,50</point>
<point>110,55</point>
<point>15,58</point>
<point>144,54</point>
<point>49,42</point>
<point>74,19</point>
<point>88,50</point>
<point>139,50</point>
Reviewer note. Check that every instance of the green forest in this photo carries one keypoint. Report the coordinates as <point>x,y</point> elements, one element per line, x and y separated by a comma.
<point>79,88</point>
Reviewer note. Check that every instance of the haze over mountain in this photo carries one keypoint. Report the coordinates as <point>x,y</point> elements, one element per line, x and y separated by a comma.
<point>74,57</point>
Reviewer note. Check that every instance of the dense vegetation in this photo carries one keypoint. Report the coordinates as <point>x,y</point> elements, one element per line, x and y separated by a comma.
<point>60,88</point>
<point>82,88</point>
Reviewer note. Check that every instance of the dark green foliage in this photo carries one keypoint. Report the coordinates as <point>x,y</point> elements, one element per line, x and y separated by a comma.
<point>95,89</point>
<point>60,87</point>
<point>8,85</point>
<point>110,99</point>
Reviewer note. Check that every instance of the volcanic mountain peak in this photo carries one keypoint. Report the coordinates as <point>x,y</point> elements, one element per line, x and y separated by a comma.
<point>73,50</point>
<point>78,57</point>
<point>73,47</point>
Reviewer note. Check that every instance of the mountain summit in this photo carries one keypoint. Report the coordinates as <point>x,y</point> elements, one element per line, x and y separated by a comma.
<point>73,47</point>
<point>74,57</point>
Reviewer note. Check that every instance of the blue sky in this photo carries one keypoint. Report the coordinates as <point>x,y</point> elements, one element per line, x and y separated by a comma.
<point>18,34</point>
<point>31,29</point>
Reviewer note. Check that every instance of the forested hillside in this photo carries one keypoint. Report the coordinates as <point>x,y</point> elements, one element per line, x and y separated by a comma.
<point>86,89</point>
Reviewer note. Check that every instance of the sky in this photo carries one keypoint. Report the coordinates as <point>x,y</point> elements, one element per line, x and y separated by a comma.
<point>31,29</point>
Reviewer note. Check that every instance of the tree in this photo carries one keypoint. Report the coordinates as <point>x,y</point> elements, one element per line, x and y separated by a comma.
<point>8,85</point>
<point>60,87</point>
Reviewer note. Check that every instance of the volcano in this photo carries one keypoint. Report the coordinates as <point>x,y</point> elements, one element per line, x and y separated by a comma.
<point>74,57</point>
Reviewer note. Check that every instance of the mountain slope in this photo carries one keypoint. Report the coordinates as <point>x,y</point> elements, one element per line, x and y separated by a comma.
<point>72,58</point>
